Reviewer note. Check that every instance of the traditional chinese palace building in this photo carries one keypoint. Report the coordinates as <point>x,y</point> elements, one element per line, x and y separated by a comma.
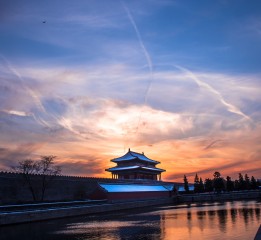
<point>123,187</point>
<point>134,165</point>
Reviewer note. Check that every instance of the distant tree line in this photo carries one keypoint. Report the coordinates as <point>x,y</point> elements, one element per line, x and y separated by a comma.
<point>220,184</point>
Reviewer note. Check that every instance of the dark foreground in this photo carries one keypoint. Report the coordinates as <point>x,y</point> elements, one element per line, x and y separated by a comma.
<point>228,220</point>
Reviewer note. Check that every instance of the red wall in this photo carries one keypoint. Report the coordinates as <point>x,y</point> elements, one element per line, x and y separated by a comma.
<point>136,195</point>
<point>98,194</point>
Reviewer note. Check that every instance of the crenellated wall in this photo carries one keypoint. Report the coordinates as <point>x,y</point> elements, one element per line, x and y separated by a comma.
<point>14,189</point>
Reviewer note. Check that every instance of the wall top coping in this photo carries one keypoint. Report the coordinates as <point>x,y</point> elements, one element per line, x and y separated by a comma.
<point>15,174</point>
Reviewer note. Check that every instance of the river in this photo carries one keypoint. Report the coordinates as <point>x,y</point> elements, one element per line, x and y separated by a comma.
<point>227,220</point>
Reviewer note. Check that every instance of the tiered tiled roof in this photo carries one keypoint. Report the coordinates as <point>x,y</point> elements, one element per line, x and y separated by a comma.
<point>130,155</point>
<point>136,167</point>
<point>145,163</point>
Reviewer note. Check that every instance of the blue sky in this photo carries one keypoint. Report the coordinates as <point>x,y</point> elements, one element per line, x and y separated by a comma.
<point>86,80</point>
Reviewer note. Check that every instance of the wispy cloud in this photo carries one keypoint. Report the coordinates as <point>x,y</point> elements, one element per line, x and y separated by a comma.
<point>17,113</point>
<point>105,120</point>
<point>35,98</point>
<point>212,144</point>
<point>11,155</point>
<point>206,86</point>
<point>30,91</point>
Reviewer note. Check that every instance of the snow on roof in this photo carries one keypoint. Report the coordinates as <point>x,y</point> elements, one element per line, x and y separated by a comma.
<point>130,155</point>
<point>134,167</point>
<point>133,188</point>
<point>142,157</point>
<point>155,169</point>
<point>126,157</point>
<point>122,168</point>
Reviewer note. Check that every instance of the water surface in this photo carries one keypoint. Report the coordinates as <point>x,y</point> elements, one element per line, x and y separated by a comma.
<point>228,220</point>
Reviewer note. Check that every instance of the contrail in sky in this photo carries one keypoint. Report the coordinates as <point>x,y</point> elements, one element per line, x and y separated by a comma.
<point>148,59</point>
<point>146,54</point>
<point>230,107</point>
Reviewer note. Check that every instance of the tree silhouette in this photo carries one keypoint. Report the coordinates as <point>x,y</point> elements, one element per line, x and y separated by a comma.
<point>218,182</point>
<point>201,185</point>
<point>217,175</point>
<point>253,183</point>
<point>196,184</point>
<point>27,168</point>
<point>241,182</point>
<point>208,185</point>
<point>247,182</point>
<point>230,184</point>
<point>236,185</point>
<point>46,169</point>
<point>186,186</point>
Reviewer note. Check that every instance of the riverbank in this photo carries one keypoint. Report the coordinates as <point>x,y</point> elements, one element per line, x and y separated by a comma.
<point>213,197</point>
<point>14,214</point>
<point>40,213</point>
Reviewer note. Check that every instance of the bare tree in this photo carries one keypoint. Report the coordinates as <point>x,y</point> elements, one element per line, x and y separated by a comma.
<point>46,169</point>
<point>27,168</point>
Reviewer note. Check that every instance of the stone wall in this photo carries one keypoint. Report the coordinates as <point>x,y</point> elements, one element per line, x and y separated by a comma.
<point>14,189</point>
<point>212,197</point>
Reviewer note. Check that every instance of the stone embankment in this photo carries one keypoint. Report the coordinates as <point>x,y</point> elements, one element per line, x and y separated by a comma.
<point>13,214</point>
<point>40,212</point>
<point>211,197</point>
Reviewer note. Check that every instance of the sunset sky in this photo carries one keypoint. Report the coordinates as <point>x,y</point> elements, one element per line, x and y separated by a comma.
<point>176,79</point>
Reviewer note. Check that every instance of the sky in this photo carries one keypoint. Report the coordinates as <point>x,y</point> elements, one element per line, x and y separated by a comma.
<point>86,80</point>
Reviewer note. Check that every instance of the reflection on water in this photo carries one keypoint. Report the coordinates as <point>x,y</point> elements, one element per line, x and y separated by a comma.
<point>229,220</point>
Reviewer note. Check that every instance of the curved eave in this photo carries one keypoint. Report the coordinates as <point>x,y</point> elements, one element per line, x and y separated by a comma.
<point>116,160</point>
<point>154,169</point>
<point>118,169</point>
<point>122,168</point>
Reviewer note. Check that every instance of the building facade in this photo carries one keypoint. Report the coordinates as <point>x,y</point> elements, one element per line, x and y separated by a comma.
<point>131,191</point>
<point>135,165</point>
